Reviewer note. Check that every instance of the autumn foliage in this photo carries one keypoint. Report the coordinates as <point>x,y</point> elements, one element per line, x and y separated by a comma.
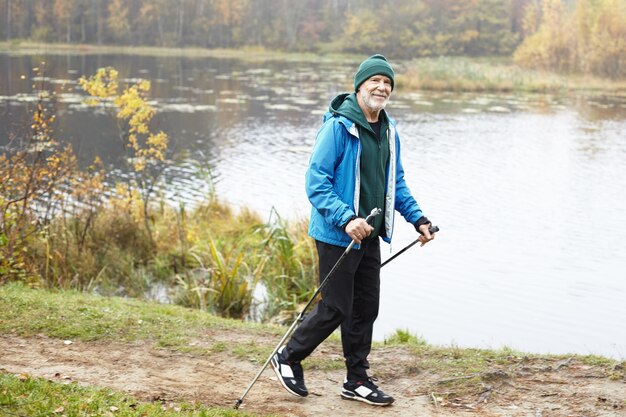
<point>403,28</point>
<point>587,38</point>
<point>37,175</point>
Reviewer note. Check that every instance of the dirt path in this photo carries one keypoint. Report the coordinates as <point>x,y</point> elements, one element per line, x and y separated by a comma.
<point>565,388</point>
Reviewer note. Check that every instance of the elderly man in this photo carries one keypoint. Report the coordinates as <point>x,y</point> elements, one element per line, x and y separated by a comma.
<point>355,167</point>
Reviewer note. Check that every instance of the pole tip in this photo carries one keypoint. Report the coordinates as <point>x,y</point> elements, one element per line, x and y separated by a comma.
<point>238,403</point>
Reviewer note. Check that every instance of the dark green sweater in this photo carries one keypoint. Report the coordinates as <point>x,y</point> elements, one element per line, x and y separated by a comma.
<point>374,158</point>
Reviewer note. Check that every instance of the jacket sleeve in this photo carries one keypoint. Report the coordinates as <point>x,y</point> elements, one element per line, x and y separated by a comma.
<point>320,176</point>
<point>405,203</point>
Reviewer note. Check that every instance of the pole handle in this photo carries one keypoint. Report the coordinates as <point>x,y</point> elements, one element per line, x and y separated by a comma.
<point>375,212</point>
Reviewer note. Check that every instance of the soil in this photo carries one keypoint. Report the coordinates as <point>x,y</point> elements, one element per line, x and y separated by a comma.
<point>534,387</point>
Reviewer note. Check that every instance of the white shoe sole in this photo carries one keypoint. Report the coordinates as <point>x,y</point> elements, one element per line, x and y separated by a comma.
<point>347,395</point>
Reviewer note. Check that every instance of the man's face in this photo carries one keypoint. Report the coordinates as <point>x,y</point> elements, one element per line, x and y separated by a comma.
<point>375,92</point>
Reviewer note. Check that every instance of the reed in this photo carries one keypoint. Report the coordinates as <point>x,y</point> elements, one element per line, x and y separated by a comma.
<point>209,258</point>
<point>291,268</point>
<point>473,74</point>
<point>492,74</point>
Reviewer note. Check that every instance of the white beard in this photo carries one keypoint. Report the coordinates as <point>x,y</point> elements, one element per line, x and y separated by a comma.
<point>374,105</point>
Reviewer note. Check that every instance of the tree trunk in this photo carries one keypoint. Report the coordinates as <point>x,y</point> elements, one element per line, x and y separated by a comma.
<point>83,30</point>
<point>181,19</point>
<point>99,20</point>
<point>293,11</point>
<point>8,19</point>
<point>160,27</point>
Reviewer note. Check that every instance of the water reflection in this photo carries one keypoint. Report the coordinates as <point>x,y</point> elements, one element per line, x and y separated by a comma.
<point>526,188</point>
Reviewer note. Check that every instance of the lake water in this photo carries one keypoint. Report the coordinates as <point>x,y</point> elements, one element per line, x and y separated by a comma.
<point>528,190</point>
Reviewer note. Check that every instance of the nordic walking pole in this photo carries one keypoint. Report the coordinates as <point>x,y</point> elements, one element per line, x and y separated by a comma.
<point>375,212</point>
<point>431,229</point>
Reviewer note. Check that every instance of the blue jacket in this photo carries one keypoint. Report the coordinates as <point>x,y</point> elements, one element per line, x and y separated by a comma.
<point>332,181</point>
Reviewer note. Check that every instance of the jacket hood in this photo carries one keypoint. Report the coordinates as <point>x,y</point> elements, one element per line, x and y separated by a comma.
<point>346,105</point>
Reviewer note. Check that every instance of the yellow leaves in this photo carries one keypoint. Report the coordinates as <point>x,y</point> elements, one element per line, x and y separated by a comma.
<point>41,125</point>
<point>157,145</point>
<point>144,85</point>
<point>153,152</point>
<point>102,85</point>
<point>133,108</point>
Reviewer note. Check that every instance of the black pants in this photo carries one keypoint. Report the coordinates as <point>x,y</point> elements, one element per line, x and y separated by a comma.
<point>350,299</point>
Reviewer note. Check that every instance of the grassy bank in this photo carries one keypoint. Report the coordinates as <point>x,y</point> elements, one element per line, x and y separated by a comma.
<point>480,74</point>
<point>69,315</point>
<point>80,316</point>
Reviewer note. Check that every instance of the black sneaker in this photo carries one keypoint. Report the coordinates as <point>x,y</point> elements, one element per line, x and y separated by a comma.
<point>289,374</point>
<point>365,391</point>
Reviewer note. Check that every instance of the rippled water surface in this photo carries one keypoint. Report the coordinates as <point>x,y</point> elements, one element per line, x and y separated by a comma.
<point>529,190</point>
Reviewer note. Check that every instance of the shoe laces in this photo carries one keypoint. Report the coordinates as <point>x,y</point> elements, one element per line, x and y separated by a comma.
<point>369,383</point>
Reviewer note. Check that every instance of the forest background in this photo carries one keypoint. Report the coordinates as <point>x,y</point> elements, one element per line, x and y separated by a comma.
<point>568,36</point>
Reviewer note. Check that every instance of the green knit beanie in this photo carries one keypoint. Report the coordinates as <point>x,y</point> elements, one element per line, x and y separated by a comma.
<point>374,65</point>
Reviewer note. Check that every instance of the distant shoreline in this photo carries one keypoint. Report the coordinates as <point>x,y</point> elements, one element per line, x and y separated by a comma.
<point>29,48</point>
<point>457,73</point>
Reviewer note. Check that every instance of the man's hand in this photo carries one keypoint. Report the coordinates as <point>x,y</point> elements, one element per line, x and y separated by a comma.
<point>358,229</point>
<point>425,235</point>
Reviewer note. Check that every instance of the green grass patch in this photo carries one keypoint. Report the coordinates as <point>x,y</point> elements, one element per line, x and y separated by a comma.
<point>461,371</point>
<point>25,396</point>
<point>80,316</point>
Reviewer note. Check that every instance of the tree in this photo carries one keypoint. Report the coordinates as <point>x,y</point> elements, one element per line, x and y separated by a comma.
<point>118,21</point>
<point>360,37</point>
<point>293,13</point>
<point>608,40</point>
<point>484,29</point>
<point>227,20</point>
<point>549,47</point>
<point>133,114</point>
<point>63,15</point>
<point>588,38</point>
<point>33,176</point>
<point>8,21</point>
